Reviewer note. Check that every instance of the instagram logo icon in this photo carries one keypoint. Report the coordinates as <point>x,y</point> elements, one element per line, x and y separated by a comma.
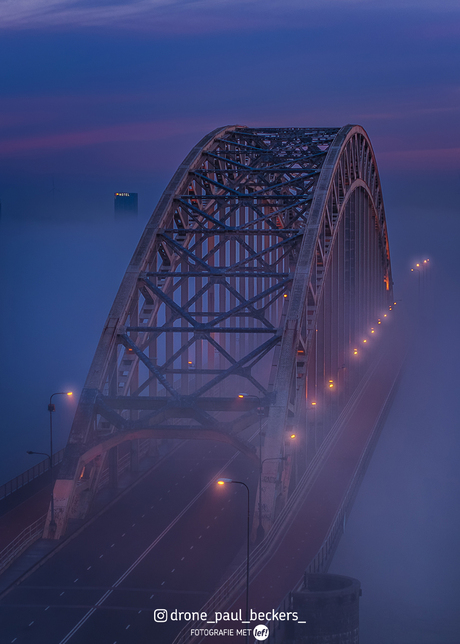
<point>160,615</point>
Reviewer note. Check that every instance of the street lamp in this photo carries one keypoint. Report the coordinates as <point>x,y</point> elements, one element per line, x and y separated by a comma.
<point>260,530</point>
<point>51,408</point>
<point>222,482</point>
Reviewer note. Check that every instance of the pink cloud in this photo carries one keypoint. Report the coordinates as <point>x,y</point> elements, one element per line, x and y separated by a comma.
<point>434,159</point>
<point>127,132</point>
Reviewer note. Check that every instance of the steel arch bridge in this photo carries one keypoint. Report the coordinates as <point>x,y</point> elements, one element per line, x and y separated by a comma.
<point>264,264</point>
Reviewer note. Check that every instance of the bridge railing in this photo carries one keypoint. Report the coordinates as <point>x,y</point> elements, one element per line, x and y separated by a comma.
<point>8,488</point>
<point>21,542</point>
<point>34,531</point>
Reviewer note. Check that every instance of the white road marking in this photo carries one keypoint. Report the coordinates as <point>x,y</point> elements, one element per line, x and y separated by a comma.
<point>162,583</point>
<point>14,640</point>
<point>31,623</point>
<point>152,596</point>
<point>127,627</point>
<point>85,617</point>
<point>139,612</point>
<point>142,516</point>
<point>145,553</point>
<point>123,534</point>
<point>62,593</point>
<point>173,570</point>
<point>75,580</point>
<point>100,556</point>
<point>191,547</point>
<point>47,608</point>
<point>112,545</point>
<point>182,558</point>
<point>89,567</point>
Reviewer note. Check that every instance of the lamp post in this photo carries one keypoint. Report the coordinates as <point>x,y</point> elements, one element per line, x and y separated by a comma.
<point>51,408</point>
<point>222,482</point>
<point>260,529</point>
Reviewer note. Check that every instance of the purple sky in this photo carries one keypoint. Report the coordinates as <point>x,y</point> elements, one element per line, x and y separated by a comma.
<point>97,97</point>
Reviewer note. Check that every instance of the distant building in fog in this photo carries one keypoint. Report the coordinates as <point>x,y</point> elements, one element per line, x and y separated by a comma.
<point>125,203</point>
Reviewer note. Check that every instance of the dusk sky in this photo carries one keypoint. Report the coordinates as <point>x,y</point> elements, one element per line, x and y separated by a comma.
<point>98,97</point>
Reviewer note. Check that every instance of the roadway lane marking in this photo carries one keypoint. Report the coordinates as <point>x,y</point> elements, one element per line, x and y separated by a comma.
<point>14,640</point>
<point>162,583</point>
<point>100,556</point>
<point>146,552</point>
<point>89,568</point>
<point>31,623</point>
<point>75,580</point>
<point>173,570</point>
<point>85,617</point>
<point>123,534</point>
<point>182,558</point>
<point>47,608</point>
<point>62,593</point>
<point>127,627</point>
<point>112,545</point>
<point>139,612</point>
<point>152,596</point>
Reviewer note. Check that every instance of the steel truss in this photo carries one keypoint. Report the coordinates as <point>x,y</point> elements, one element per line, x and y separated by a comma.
<point>265,259</point>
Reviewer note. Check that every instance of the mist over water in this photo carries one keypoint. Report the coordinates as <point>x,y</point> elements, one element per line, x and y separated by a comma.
<point>59,279</point>
<point>401,539</point>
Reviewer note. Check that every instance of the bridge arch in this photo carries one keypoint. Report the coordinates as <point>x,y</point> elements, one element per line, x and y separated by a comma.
<point>263,262</point>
